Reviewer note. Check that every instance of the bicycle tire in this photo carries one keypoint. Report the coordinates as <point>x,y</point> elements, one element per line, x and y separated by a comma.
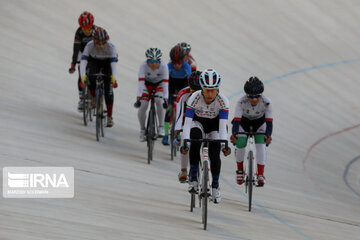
<point>85,104</point>
<point>251,179</point>
<point>192,202</point>
<point>102,115</point>
<point>172,138</point>
<point>98,117</point>
<point>205,194</point>
<point>150,134</point>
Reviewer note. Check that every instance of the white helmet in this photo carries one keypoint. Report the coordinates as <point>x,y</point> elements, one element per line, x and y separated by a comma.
<point>210,79</point>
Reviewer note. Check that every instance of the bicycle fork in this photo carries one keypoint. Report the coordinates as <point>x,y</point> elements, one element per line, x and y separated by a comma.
<point>251,148</point>
<point>209,178</point>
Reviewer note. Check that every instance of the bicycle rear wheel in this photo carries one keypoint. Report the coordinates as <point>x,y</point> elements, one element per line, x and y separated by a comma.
<point>250,178</point>
<point>204,194</point>
<point>102,116</point>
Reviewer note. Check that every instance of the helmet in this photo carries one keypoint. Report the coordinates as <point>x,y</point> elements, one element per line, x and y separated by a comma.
<point>185,46</point>
<point>153,54</point>
<point>253,86</point>
<point>100,35</point>
<point>209,78</point>
<point>177,54</point>
<point>193,81</point>
<point>86,20</point>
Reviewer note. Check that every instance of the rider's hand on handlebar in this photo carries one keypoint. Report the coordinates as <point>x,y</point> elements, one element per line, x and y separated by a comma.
<point>267,140</point>
<point>114,83</point>
<point>82,82</point>
<point>137,104</point>
<point>165,104</point>
<point>233,139</point>
<point>72,68</point>
<point>226,151</point>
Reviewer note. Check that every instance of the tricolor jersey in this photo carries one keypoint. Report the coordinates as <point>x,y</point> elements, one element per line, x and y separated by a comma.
<point>153,77</point>
<point>245,109</point>
<point>197,109</point>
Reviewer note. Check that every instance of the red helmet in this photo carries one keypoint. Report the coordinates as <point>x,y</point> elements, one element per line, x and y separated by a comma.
<point>86,20</point>
<point>177,54</point>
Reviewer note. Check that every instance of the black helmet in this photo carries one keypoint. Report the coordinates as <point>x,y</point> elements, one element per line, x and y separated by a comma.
<point>193,81</point>
<point>253,86</point>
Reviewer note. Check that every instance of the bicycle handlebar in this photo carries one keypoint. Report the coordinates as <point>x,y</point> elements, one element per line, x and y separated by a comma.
<point>206,141</point>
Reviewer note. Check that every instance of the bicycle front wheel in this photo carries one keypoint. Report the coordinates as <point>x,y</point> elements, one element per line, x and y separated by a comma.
<point>150,134</point>
<point>98,115</point>
<point>250,178</point>
<point>204,194</point>
<point>85,104</point>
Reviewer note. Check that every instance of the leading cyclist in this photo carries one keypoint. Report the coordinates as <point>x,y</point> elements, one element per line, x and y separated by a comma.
<point>253,109</point>
<point>206,117</point>
<point>101,54</point>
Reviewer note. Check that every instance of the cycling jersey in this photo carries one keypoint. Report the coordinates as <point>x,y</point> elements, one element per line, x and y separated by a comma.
<point>80,42</point>
<point>184,71</point>
<point>108,53</point>
<point>198,110</point>
<point>147,76</point>
<point>246,114</point>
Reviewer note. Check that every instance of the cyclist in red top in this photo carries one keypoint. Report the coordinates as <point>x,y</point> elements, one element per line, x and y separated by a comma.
<point>188,57</point>
<point>83,35</point>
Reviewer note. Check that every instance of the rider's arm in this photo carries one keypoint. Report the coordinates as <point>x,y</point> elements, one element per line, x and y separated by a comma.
<point>223,117</point>
<point>237,118</point>
<point>268,117</point>
<point>113,60</point>
<point>187,69</point>
<point>189,115</point>
<point>165,80</point>
<point>77,46</point>
<point>84,59</point>
<point>179,113</point>
<point>141,85</point>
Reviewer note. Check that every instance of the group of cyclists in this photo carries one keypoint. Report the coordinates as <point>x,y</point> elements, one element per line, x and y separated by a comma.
<point>201,109</point>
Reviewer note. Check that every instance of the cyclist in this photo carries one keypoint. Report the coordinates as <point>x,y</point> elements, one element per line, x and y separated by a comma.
<point>99,54</point>
<point>83,35</point>
<point>206,117</point>
<point>253,109</point>
<point>179,72</point>
<point>153,75</point>
<point>188,57</point>
<point>181,103</point>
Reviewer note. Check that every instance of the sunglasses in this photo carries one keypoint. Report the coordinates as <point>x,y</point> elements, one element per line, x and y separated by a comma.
<point>99,43</point>
<point>209,90</point>
<point>86,29</point>
<point>253,96</point>
<point>153,61</point>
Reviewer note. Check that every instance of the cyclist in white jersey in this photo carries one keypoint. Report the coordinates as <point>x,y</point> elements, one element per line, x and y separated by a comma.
<point>153,75</point>
<point>253,109</point>
<point>180,106</point>
<point>99,54</point>
<point>206,117</point>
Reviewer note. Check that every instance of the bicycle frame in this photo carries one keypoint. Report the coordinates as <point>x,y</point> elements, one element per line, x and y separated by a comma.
<point>99,93</point>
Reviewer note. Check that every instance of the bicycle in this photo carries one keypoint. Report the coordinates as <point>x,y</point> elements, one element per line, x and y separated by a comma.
<point>86,104</point>
<point>250,167</point>
<point>99,112</point>
<point>152,126</point>
<point>204,176</point>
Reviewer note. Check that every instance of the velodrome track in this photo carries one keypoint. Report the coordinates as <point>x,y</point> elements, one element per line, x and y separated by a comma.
<point>307,53</point>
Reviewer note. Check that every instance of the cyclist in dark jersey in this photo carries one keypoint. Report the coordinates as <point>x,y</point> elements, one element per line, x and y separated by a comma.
<point>83,35</point>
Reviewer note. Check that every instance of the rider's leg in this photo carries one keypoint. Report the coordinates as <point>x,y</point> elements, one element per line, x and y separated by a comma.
<point>142,113</point>
<point>194,153</point>
<point>160,110</point>
<point>260,150</point>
